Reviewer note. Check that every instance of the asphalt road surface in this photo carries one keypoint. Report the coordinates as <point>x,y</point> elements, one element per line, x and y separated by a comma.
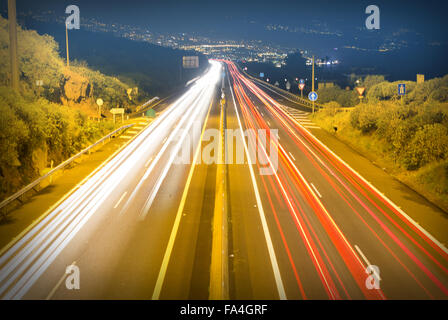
<point>301,223</point>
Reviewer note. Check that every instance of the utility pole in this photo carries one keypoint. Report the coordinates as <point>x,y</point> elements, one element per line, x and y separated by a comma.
<point>12,17</point>
<point>66,42</point>
<point>312,85</point>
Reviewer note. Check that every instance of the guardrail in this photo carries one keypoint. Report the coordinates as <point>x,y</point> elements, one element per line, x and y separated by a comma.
<point>147,103</point>
<point>36,182</point>
<point>294,98</point>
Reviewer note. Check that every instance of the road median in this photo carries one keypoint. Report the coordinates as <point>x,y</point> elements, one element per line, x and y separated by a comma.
<point>219,270</point>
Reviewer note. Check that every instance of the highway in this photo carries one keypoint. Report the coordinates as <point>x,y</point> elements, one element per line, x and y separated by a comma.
<point>326,223</point>
<point>116,226</point>
<point>301,223</point>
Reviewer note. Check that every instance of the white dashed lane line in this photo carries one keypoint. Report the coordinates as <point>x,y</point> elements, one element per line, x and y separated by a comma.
<point>317,191</point>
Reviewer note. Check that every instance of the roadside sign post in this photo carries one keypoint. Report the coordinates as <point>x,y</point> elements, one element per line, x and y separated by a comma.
<point>360,91</point>
<point>99,102</point>
<point>401,90</point>
<point>313,97</point>
<point>301,86</point>
<point>115,111</point>
<point>189,62</point>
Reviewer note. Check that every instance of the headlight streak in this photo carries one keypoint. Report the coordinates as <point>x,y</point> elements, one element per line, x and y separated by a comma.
<point>203,85</point>
<point>340,166</point>
<point>200,108</point>
<point>383,226</point>
<point>269,244</point>
<point>317,261</point>
<point>26,260</point>
<point>347,253</point>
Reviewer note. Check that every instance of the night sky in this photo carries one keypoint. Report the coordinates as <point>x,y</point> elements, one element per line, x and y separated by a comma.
<point>415,30</point>
<point>426,17</point>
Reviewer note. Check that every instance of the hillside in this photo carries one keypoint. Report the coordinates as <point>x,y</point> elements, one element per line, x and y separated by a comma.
<point>152,68</point>
<point>407,137</point>
<point>49,122</point>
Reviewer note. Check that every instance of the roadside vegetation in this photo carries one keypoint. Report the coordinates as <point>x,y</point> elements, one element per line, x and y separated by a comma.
<point>407,137</point>
<point>48,121</point>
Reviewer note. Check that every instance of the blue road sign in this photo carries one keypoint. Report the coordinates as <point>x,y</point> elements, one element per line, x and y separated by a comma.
<point>312,96</point>
<point>301,81</point>
<point>261,74</point>
<point>401,89</point>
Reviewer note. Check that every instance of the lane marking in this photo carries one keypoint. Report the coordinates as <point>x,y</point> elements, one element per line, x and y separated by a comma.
<point>292,156</point>
<point>144,211</point>
<point>53,291</point>
<point>366,260</point>
<point>317,191</point>
<point>121,198</point>
<point>148,162</point>
<point>169,248</point>
<point>272,256</point>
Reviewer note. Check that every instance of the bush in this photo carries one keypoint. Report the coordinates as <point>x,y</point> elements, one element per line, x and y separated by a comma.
<point>440,94</point>
<point>429,144</point>
<point>345,98</point>
<point>365,116</point>
<point>39,128</point>
<point>331,108</point>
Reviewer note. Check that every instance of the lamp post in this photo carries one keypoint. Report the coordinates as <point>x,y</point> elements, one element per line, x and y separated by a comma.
<point>12,17</point>
<point>66,43</point>
<point>312,86</point>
